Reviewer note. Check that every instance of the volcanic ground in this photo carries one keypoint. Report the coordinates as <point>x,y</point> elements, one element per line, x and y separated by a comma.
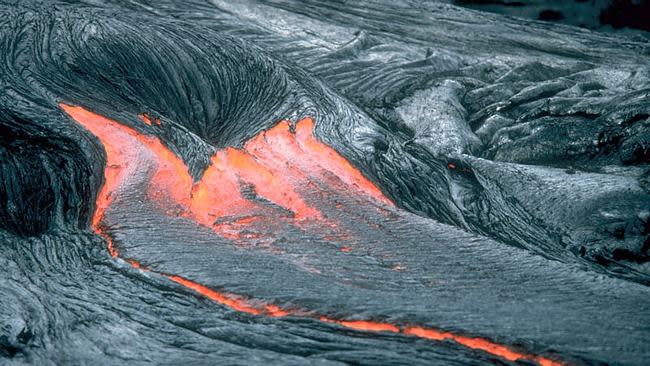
<point>314,182</point>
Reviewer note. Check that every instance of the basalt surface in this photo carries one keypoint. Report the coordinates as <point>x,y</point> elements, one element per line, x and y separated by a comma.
<point>283,182</point>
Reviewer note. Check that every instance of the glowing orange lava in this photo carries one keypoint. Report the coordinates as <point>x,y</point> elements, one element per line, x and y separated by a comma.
<point>334,162</point>
<point>479,344</point>
<point>275,162</point>
<point>369,326</point>
<point>237,304</point>
<point>268,183</point>
<point>148,120</point>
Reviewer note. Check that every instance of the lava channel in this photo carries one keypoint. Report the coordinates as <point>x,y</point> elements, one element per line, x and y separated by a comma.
<point>273,162</point>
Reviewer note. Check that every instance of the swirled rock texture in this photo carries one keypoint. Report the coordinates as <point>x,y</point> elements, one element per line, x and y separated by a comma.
<point>292,182</point>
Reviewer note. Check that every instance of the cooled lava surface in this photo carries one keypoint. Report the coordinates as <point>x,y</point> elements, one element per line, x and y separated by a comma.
<point>320,183</point>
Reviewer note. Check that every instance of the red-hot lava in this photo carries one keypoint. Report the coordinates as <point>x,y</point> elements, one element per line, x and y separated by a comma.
<point>273,163</point>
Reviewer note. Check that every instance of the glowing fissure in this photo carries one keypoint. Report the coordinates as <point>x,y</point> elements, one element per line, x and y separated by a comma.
<point>148,120</point>
<point>218,195</point>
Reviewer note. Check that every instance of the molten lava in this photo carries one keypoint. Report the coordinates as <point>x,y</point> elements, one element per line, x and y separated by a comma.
<point>148,120</point>
<point>277,163</point>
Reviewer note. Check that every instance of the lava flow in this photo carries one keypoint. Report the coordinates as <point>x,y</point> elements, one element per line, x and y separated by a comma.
<point>276,164</point>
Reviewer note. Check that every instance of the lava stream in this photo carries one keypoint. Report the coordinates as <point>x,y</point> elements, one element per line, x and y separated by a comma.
<point>297,155</point>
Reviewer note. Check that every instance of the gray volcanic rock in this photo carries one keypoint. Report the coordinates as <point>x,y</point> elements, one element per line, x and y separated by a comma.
<point>516,153</point>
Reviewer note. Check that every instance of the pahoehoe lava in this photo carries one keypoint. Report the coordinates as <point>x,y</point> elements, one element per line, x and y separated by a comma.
<point>294,182</point>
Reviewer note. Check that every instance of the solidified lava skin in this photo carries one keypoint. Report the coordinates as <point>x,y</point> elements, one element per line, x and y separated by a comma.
<point>271,163</point>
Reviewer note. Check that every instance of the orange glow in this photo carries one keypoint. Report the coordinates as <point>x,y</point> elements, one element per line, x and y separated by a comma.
<point>369,326</point>
<point>148,120</point>
<point>123,147</point>
<point>489,347</point>
<point>236,304</point>
<point>135,264</point>
<point>118,152</point>
<point>363,325</point>
<point>275,311</point>
<point>109,244</point>
<point>171,178</point>
<point>277,148</point>
<point>543,361</point>
<point>215,196</point>
<point>427,333</point>
<point>218,194</point>
<point>279,145</point>
<point>484,345</point>
<point>331,160</point>
<point>231,301</point>
<point>264,163</point>
<point>268,184</point>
